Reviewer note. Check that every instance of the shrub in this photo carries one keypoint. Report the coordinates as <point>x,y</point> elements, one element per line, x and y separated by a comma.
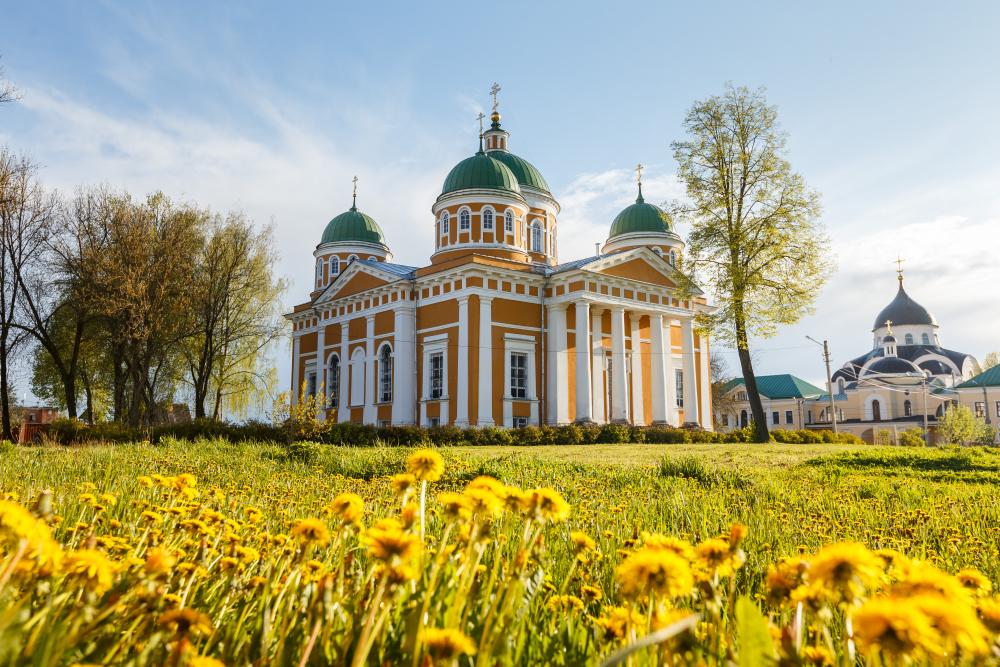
<point>692,467</point>
<point>912,437</point>
<point>613,434</point>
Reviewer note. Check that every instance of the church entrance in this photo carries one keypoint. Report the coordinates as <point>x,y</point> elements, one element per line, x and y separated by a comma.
<point>876,411</point>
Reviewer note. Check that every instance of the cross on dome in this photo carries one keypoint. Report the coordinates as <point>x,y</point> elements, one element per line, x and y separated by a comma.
<point>639,169</point>
<point>899,265</point>
<point>493,91</point>
<point>888,326</point>
<point>480,118</point>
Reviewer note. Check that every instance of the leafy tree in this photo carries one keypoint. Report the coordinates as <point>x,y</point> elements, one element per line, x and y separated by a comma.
<point>989,361</point>
<point>960,425</point>
<point>755,240</point>
<point>912,437</point>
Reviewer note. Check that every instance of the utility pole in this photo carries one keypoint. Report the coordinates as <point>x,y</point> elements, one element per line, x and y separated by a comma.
<point>829,382</point>
<point>927,428</point>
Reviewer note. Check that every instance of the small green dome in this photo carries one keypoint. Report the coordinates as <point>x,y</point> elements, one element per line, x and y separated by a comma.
<point>524,171</point>
<point>481,171</point>
<point>353,226</point>
<point>639,217</point>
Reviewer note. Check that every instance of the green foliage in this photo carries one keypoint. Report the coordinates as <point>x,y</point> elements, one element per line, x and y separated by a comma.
<point>756,647</point>
<point>974,465</point>
<point>7,448</point>
<point>959,425</point>
<point>912,437</point>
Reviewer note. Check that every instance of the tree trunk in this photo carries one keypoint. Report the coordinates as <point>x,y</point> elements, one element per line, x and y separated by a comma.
<point>750,380</point>
<point>4,389</point>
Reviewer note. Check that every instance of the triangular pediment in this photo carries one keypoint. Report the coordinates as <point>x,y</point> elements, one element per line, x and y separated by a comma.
<point>357,277</point>
<point>639,269</point>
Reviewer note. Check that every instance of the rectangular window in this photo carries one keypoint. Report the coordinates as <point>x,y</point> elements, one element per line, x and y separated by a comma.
<point>384,423</point>
<point>981,409</point>
<point>774,418</point>
<point>385,380</point>
<point>809,416</point>
<point>998,408</point>
<point>679,387</point>
<point>518,375</point>
<point>433,422</point>
<point>725,419</point>
<point>789,417</point>
<point>335,382</point>
<point>437,375</point>
<point>520,422</point>
<point>311,385</point>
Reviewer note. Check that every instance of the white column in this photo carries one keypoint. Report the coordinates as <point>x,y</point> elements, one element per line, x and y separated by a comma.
<point>462,390</point>
<point>344,403</point>
<point>637,388</point>
<point>557,372</point>
<point>706,385</point>
<point>371,388</point>
<point>485,361</point>
<point>597,359</point>
<point>296,389</point>
<point>690,373</point>
<point>324,392</point>
<point>403,367</point>
<point>657,365</point>
<point>619,388</point>
<point>584,411</point>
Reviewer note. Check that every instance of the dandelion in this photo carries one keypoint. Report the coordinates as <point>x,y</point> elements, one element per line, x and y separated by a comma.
<point>783,578</point>
<point>204,661</point>
<point>387,542</point>
<point>668,543</point>
<point>402,483</point>
<point>846,568</point>
<point>581,544</point>
<point>482,502</point>
<point>617,620</point>
<point>817,655</point>
<point>447,644</point>
<point>547,505</point>
<point>311,531</point>
<point>425,465</point>
<point>975,581</point>
<point>151,517</point>
<point>348,507</point>
<point>737,532</point>
<point>109,499</point>
<point>957,623</point>
<point>514,499</point>
<point>158,561</point>
<point>564,603</point>
<point>88,499</point>
<point>186,621</point>
<point>457,507</point>
<point>16,523</point>
<point>144,481</point>
<point>896,628</point>
<point>989,612</point>
<point>716,557</point>
<point>653,571</point>
<point>91,569</point>
<point>487,484</point>
<point>254,515</point>
<point>185,481</point>
<point>591,593</point>
<point>917,578</point>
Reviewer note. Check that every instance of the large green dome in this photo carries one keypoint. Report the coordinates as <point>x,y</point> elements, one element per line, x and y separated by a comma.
<point>481,171</point>
<point>524,171</point>
<point>353,226</point>
<point>639,217</point>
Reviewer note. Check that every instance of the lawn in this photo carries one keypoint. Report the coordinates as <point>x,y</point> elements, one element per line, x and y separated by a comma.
<point>207,553</point>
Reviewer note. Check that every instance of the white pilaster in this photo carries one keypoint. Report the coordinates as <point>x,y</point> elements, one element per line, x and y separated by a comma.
<point>296,382</point>
<point>597,359</point>
<point>462,390</point>
<point>344,402</point>
<point>485,361</point>
<point>619,387</point>
<point>706,385</point>
<point>584,410</point>
<point>638,416</point>
<point>657,365</point>
<point>557,378</point>
<point>371,387</point>
<point>690,373</point>
<point>403,377</point>
<point>322,390</point>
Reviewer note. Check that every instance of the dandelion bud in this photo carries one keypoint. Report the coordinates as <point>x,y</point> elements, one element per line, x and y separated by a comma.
<point>43,507</point>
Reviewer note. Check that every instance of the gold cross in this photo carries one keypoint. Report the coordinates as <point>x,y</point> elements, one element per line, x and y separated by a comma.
<point>355,186</point>
<point>888,326</point>
<point>639,169</point>
<point>493,92</point>
<point>480,118</point>
<point>899,265</point>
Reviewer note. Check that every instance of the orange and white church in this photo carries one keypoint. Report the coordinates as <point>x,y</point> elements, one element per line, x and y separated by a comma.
<point>496,331</point>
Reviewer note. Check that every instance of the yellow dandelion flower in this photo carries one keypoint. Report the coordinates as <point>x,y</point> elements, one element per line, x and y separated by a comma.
<point>662,619</point>
<point>91,569</point>
<point>662,573</point>
<point>158,561</point>
<point>818,656</point>
<point>171,600</point>
<point>185,481</point>
<point>426,465</point>
<point>564,603</point>
<point>446,644</point>
<point>548,505</point>
<point>254,515</point>
<point>957,623</point>
<point>582,543</point>
<point>397,575</point>
<point>917,578</point>
<point>715,557</point>
<point>348,507</point>
<point>457,507</point>
<point>784,577</point>
<point>488,484</point>
<point>311,531</point>
<point>151,517</point>
<point>846,568</point>
<point>482,502</point>
<point>387,542</point>
<point>515,500</point>
<point>989,612</point>
<point>314,569</point>
<point>896,628</point>
<point>737,533</point>
<point>16,523</point>
<point>402,483</point>
<point>230,564</point>
<point>109,499</point>
<point>591,593</point>
<point>160,480</point>
<point>974,580</point>
<point>204,661</point>
<point>88,498</point>
<point>186,621</point>
<point>410,515</point>
<point>617,621</point>
<point>668,543</point>
<point>247,554</point>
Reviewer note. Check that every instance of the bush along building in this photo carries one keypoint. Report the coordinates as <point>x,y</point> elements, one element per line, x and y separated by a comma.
<point>906,380</point>
<point>496,331</point>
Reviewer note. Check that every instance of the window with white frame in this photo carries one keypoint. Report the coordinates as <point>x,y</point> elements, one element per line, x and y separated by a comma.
<point>673,258</point>
<point>334,266</point>
<point>925,339</point>
<point>789,417</point>
<point>536,238</point>
<point>385,374</point>
<point>464,220</point>
<point>679,387</point>
<point>520,422</point>
<point>980,409</point>
<point>658,251</point>
<point>909,339</point>
<point>319,273</point>
<point>384,423</point>
<point>433,422</point>
<point>509,222</point>
<point>487,220</point>
<point>518,375</point>
<point>774,418</point>
<point>437,375</point>
<point>311,385</point>
<point>907,409</point>
<point>351,258</point>
<point>334,388</point>
<point>444,223</point>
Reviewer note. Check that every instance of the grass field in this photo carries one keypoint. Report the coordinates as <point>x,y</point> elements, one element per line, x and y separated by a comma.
<point>209,553</point>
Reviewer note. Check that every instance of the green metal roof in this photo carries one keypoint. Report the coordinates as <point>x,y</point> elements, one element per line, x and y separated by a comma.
<point>781,386</point>
<point>353,226</point>
<point>639,217</point>
<point>481,171</point>
<point>988,378</point>
<point>526,174</point>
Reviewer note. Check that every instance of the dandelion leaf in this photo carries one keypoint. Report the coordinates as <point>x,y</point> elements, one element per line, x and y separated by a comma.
<point>756,649</point>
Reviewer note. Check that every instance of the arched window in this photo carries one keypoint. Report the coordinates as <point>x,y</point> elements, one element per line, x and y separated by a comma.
<point>909,339</point>
<point>487,220</point>
<point>464,220</point>
<point>509,222</point>
<point>658,251</point>
<point>925,339</point>
<point>444,223</point>
<point>334,266</point>
<point>385,374</point>
<point>333,385</point>
<point>878,343</point>
<point>536,238</point>
<point>357,378</point>
<point>876,411</point>
<point>840,386</point>
<point>907,409</point>
<point>372,258</point>
<point>319,273</point>
<point>351,258</point>
<point>673,258</point>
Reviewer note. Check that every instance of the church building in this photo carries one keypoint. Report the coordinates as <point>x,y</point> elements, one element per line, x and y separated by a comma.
<point>496,331</point>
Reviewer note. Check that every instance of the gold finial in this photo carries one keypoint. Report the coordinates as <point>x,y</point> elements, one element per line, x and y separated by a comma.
<point>639,169</point>
<point>493,91</point>
<point>480,118</point>
<point>888,327</point>
<point>899,266</point>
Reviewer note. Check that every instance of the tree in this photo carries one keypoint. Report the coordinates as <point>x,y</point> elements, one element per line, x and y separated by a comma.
<point>8,91</point>
<point>755,240</point>
<point>959,425</point>
<point>237,311</point>
<point>722,400</point>
<point>989,361</point>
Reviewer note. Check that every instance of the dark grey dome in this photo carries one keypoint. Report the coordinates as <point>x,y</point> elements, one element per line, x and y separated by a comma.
<point>889,339</point>
<point>936,367</point>
<point>903,310</point>
<point>890,365</point>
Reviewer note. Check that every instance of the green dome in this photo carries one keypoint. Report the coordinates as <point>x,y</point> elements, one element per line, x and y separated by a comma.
<point>481,171</point>
<point>526,174</point>
<point>639,217</point>
<point>353,226</point>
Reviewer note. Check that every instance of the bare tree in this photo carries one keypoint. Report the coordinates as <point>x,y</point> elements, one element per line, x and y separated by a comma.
<point>8,91</point>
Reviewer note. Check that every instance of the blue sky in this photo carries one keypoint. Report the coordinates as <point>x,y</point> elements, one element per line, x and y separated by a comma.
<point>274,107</point>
